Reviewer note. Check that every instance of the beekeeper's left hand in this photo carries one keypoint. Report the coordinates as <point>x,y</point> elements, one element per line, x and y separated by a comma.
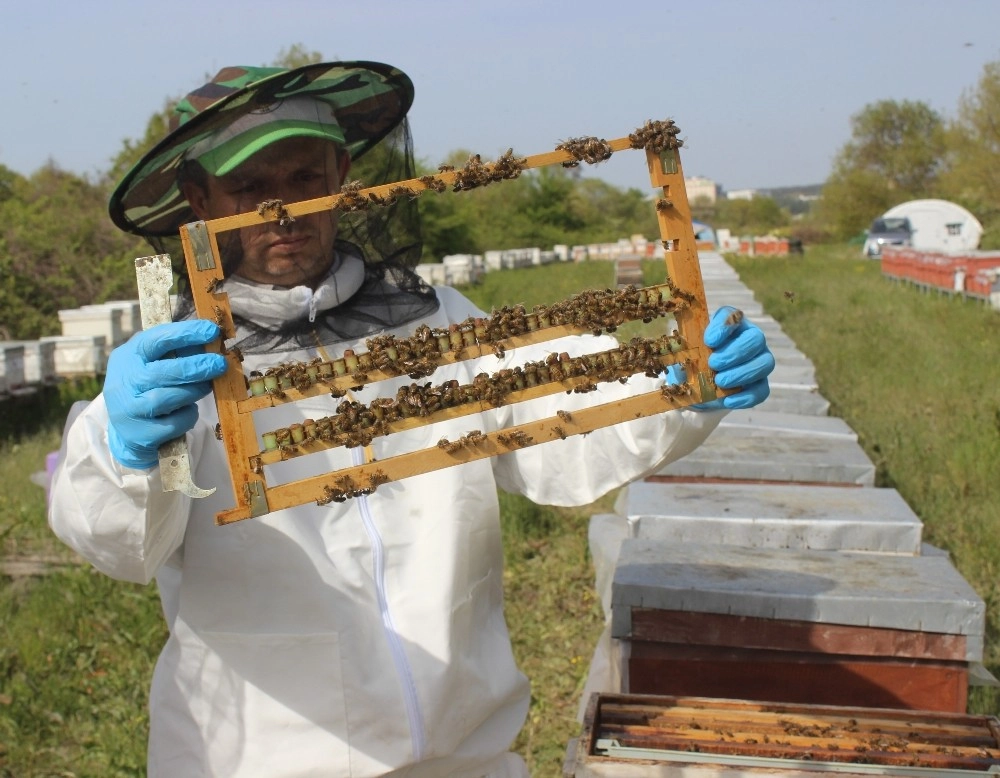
<point>740,358</point>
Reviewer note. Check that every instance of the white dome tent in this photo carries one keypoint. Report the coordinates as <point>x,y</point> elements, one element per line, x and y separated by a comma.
<point>939,225</point>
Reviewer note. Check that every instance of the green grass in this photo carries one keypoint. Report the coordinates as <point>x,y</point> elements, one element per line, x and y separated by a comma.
<point>915,375</point>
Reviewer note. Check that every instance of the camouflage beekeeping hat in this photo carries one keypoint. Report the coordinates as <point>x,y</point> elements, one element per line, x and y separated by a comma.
<point>368,99</point>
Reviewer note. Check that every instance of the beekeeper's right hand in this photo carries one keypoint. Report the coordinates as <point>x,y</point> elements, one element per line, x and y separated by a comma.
<point>151,395</point>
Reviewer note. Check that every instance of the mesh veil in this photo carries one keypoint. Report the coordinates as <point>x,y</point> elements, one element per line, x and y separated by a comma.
<point>386,238</point>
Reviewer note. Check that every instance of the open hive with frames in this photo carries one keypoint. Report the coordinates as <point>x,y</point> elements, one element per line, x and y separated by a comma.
<point>239,395</point>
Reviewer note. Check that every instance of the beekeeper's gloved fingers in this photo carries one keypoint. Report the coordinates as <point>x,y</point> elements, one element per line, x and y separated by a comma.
<point>151,395</point>
<point>740,358</point>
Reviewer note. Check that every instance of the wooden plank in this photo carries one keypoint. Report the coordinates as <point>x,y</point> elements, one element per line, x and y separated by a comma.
<point>331,486</point>
<point>201,249</point>
<point>801,732</point>
<point>715,629</point>
<point>770,724</point>
<point>818,714</point>
<point>790,677</point>
<point>875,751</point>
<point>417,185</point>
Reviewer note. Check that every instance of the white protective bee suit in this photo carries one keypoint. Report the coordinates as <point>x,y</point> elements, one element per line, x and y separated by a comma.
<point>364,638</point>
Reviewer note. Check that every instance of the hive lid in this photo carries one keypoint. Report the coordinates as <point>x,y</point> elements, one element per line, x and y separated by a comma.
<point>775,516</point>
<point>917,593</point>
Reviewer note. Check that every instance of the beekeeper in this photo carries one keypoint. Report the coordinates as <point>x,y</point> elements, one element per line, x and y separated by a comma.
<point>360,638</point>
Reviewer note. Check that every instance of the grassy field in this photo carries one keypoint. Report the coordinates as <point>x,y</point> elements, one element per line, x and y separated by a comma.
<point>914,374</point>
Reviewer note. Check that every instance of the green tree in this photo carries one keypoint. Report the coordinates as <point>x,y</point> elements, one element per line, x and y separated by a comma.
<point>58,250</point>
<point>973,175</point>
<point>757,216</point>
<point>896,153</point>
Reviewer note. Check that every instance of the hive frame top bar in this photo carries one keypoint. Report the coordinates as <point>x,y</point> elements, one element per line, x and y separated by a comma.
<point>236,429</point>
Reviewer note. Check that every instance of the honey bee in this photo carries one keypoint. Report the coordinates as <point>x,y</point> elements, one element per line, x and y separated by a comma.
<point>474,438</point>
<point>790,296</point>
<point>218,431</point>
<point>734,318</point>
<point>565,416</point>
<point>450,446</point>
<point>270,206</point>
<point>516,438</point>
<point>376,479</point>
<point>560,432</point>
<point>433,183</point>
<point>328,496</point>
<point>213,285</point>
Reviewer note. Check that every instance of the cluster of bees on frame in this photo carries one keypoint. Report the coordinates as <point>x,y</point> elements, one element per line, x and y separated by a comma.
<point>346,488</point>
<point>419,356</point>
<point>356,424</point>
<point>653,135</point>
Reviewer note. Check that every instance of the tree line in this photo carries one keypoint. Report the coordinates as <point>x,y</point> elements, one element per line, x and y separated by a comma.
<point>59,249</point>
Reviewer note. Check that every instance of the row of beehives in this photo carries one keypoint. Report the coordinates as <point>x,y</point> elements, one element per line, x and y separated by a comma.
<point>90,332</point>
<point>460,269</point>
<point>972,274</point>
<point>766,565</point>
<point>88,335</point>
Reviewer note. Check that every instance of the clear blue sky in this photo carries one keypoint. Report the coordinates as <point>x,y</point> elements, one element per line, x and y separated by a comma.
<point>763,91</point>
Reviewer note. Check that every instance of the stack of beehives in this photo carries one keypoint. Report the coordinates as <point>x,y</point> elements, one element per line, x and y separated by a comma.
<point>766,565</point>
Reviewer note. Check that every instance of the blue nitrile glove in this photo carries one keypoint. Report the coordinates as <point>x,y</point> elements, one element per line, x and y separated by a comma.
<point>740,357</point>
<point>150,396</point>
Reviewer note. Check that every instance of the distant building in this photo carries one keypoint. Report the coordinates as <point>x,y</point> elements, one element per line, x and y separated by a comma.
<point>742,194</point>
<point>698,187</point>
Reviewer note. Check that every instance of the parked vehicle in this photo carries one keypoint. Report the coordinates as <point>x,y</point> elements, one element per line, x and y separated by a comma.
<point>887,231</point>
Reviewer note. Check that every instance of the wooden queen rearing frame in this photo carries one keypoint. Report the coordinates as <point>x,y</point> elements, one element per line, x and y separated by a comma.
<point>238,396</point>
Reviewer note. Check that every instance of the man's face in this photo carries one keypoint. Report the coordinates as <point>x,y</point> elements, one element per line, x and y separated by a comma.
<point>290,170</point>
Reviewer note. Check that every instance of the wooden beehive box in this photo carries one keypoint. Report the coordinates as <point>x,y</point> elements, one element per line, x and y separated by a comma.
<point>628,736</point>
<point>793,625</point>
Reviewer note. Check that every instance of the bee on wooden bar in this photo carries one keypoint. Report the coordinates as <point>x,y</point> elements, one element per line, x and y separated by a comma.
<point>350,199</point>
<point>473,438</point>
<point>589,149</point>
<point>376,479</point>
<point>450,446</point>
<point>507,166</point>
<point>433,183</point>
<point>517,438</point>
<point>276,209</point>
<point>656,136</point>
